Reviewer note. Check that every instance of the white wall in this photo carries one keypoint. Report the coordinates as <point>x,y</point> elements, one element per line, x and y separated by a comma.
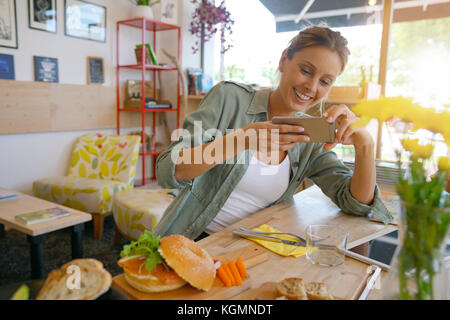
<point>27,157</point>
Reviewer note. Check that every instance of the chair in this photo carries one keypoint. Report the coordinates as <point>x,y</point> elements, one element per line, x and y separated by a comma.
<point>101,166</point>
<point>137,210</point>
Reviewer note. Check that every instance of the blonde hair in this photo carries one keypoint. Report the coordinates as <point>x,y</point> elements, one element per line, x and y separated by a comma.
<point>320,36</point>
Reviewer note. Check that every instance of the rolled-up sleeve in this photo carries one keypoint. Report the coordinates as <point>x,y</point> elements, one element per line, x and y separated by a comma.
<point>334,179</point>
<point>194,133</point>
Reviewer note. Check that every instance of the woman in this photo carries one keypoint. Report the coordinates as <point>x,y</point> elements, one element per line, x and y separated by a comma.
<point>223,185</point>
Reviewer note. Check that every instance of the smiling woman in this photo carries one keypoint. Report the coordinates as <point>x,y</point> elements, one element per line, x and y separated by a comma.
<point>237,183</point>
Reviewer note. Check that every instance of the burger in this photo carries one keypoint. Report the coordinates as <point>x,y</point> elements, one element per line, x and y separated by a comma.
<point>154,264</point>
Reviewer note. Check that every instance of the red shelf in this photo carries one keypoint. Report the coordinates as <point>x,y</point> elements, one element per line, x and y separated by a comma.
<point>144,25</point>
<point>148,110</point>
<point>147,67</point>
<point>150,25</point>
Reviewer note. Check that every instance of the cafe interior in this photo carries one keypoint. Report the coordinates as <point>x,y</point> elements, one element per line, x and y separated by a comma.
<point>100,100</point>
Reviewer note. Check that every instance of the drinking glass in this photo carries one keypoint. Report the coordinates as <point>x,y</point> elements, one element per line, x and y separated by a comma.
<point>326,244</point>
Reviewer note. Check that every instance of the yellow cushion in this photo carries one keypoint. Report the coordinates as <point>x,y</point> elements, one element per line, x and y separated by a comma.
<point>108,157</point>
<point>137,210</point>
<point>88,195</point>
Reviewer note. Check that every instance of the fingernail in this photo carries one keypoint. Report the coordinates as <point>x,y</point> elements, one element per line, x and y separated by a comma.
<point>307,138</point>
<point>326,114</point>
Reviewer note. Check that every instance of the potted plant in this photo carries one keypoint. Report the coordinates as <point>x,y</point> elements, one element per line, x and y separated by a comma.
<point>418,269</point>
<point>206,20</point>
<point>143,8</point>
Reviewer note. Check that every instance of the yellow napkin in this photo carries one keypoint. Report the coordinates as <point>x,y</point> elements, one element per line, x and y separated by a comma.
<point>278,247</point>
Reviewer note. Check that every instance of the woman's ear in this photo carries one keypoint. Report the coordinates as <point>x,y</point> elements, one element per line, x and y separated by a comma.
<point>283,60</point>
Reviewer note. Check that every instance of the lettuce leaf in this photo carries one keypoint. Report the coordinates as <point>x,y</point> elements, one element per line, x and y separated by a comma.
<point>147,245</point>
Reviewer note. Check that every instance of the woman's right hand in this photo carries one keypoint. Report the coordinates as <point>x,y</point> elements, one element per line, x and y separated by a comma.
<point>266,137</point>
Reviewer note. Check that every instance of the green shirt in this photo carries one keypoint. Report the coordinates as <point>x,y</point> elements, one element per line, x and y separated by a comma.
<point>230,105</point>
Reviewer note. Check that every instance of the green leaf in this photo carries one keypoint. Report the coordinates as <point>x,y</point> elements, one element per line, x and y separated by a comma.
<point>23,293</point>
<point>94,163</point>
<point>147,245</point>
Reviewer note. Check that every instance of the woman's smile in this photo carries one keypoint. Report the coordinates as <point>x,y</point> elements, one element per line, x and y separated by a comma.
<point>301,97</point>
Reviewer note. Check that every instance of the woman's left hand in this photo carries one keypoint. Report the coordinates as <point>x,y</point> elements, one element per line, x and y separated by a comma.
<point>344,118</point>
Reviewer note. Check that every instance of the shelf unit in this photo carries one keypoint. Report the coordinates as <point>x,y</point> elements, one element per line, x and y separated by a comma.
<point>154,26</point>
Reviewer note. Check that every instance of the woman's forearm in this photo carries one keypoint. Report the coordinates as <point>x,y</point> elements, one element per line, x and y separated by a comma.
<point>195,161</point>
<point>363,182</point>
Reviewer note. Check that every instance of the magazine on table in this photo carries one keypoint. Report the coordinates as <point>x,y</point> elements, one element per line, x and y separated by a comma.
<point>7,195</point>
<point>42,215</point>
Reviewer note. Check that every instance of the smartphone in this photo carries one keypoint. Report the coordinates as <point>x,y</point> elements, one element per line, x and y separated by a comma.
<point>318,129</point>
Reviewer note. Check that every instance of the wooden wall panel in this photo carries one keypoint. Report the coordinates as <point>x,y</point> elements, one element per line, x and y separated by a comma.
<point>28,107</point>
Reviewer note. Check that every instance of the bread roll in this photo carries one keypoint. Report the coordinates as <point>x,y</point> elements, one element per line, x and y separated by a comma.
<point>161,278</point>
<point>189,260</point>
<point>90,263</point>
<point>317,291</point>
<point>292,288</point>
<point>152,286</point>
<point>93,283</point>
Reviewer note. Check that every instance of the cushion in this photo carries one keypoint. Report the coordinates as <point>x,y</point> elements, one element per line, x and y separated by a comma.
<point>108,157</point>
<point>139,209</point>
<point>84,194</point>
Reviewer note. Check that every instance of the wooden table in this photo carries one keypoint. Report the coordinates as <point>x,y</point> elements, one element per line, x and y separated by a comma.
<point>310,206</point>
<point>36,232</point>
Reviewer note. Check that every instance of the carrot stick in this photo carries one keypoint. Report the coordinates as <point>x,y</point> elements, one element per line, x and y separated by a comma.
<point>241,267</point>
<point>235,273</point>
<point>222,274</point>
<point>230,275</point>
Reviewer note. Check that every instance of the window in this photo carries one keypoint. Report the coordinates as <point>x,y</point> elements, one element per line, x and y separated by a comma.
<point>418,67</point>
<point>418,63</point>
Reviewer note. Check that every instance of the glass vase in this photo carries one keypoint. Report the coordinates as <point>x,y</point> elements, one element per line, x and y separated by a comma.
<point>419,267</point>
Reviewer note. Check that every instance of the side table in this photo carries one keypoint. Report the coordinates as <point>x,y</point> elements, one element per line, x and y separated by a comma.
<point>36,232</point>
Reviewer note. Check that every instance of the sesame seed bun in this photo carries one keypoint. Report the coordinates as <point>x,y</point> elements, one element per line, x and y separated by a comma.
<point>189,260</point>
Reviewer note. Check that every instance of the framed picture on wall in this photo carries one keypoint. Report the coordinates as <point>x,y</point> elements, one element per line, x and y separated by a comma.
<point>85,20</point>
<point>42,15</point>
<point>7,67</point>
<point>8,24</point>
<point>46,69</point>
<point>95,70</point>
<point>169,11</point>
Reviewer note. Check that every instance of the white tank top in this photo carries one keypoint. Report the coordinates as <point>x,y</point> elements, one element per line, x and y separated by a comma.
<point>261,185</point>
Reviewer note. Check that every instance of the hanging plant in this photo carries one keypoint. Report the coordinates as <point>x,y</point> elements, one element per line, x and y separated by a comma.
<point>210,16</point>
<point>144,2</point>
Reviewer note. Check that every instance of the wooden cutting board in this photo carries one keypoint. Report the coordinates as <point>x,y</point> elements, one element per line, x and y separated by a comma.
<point>252,255</point>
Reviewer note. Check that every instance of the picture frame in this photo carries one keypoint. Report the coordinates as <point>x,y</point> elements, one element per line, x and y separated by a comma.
<point>7,67</point>
<point>8,24</point>
<point>46,69</point>
<point>42,15</point>
<point>95,70</point>
<point>85,20</point>
<point>169,12</point>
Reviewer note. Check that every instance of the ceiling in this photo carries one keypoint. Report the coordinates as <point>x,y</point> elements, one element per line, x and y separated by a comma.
<point>345,13</point>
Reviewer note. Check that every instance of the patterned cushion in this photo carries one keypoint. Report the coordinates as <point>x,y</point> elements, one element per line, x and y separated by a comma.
<point>137,210</point>
<point>84,194</point>
<point>107,157</point>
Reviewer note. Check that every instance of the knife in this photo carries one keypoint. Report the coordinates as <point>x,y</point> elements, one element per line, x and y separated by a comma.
<point>347,252</point>
<point>269,238</point>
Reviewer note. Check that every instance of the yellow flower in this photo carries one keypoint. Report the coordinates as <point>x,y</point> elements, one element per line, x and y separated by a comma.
<point>419,151</point>
<point>444,163</point>
<point>385,109</point>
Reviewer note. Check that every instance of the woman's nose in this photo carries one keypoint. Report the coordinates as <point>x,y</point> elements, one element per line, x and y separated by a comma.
<point>311,86</point>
